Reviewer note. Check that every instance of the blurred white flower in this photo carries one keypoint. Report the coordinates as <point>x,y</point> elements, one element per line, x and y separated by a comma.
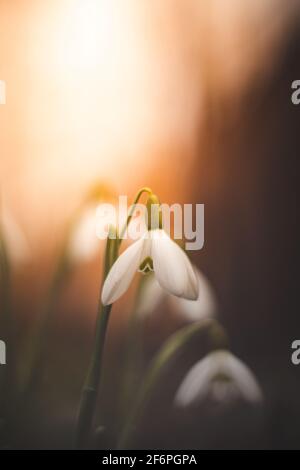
<point>154,251</point>
<point>192,310</point>
<point>15,240</point>
<point>91,229</point>
<point>84,243</point>
<point>220,377</point>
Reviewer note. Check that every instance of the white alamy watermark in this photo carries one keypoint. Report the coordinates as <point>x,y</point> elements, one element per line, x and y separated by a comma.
<point>295,97</point>
<point>2,92</point>
<point>2,353</point>
<point>295,357</point>
<point>179,221</point>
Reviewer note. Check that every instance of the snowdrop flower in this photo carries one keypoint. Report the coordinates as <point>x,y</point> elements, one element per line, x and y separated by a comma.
<point>221,377</point>
<point>192,310</point>
<point>154,251</point>
<point>204,306</point>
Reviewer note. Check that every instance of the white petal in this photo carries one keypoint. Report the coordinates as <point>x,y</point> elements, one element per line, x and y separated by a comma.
<point>123,270</point>
<point>202,380</point>
<point>204,306</point>
<point>172,267</point>
<point>151,296</point>
<point>242,376</point>
<point>196,384</point>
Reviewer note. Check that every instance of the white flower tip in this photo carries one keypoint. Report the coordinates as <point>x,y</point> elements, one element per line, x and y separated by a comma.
<point>194,292</point>
<point>192,289</point>
<point>204,306</point>
<point>105,298</point>
<point>108,295</point>
<point>173,268</point>
<point>122,273</point>
<point>181,400</point>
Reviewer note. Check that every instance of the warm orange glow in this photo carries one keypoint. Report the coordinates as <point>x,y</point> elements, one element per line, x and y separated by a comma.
<point>112,90</point>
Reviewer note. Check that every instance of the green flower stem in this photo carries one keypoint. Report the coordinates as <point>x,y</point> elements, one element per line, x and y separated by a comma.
<point>38,337</point>
<point>161,361</point>
<point>131,212</point>
<point>90,389</point>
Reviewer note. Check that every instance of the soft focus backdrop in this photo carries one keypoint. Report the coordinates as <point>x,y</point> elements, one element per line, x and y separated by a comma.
<point>192,99</point>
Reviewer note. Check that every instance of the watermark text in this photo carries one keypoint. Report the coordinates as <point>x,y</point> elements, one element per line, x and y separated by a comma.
<point>181,222</point>
<point>2,353</point>
<point>295,97</point>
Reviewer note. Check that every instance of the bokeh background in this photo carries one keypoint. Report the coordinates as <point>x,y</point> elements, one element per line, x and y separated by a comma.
<point>193,99</point>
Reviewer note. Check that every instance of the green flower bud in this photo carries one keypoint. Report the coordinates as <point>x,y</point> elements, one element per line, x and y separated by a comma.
<point>146,266</point>
<point>154,215</point>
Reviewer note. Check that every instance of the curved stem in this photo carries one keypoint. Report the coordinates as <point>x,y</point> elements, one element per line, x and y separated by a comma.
<point>90,390</point>
<point>131,212</point>
<point>161,361</point>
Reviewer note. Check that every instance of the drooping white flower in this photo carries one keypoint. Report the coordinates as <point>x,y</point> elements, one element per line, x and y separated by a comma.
<point>204,306</point>
<point>221,377</point>
<point>154,251</point>
<point>192,310</point>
